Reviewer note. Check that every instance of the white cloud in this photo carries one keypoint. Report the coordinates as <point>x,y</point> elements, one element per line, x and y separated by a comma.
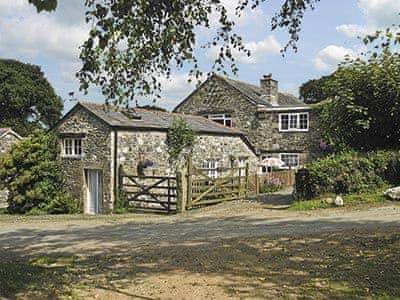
<point>354,30</point>
<point>328,58</point>
<point>378,14</point>
<point>259,50</point>
<point>25,32</point>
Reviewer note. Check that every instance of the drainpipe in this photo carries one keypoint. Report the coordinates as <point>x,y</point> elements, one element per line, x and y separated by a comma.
<point>116,171</point>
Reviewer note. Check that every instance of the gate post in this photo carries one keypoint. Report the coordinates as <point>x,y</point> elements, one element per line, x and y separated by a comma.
<point>181,192</point>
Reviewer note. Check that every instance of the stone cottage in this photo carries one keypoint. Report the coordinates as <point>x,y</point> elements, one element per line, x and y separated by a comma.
<point>277,124</point>
<point>8,137</point>
<point>96,141</point>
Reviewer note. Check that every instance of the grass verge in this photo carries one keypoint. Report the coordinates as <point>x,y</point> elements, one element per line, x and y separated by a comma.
<point>349,200</point>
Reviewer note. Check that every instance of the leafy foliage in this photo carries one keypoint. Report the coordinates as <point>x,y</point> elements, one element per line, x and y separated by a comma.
<point>365,113</point>
<point>316,90</point>
<point>271,185</point>
<point>33,176</point>
<point>180,136</point>
<point>348,172</point>
<point>27,100</point>
<point>44,5</point>
<point>131,43</point>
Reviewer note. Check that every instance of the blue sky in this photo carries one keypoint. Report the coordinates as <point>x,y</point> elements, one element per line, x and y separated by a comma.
<point>51,41</point>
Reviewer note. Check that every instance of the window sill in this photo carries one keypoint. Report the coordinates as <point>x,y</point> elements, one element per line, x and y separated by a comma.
<point>71,156</point>
<point>294,130</point>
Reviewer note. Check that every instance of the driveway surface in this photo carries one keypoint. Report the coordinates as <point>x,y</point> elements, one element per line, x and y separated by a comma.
<point>228,220</point>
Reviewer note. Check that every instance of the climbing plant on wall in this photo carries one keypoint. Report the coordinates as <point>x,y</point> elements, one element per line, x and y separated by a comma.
<point>180,136</point>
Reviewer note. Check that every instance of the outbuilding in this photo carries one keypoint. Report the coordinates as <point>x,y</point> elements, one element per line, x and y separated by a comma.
<point>97,141</point>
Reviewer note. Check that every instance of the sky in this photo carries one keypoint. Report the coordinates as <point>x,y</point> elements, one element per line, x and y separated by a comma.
<point>52,40</point>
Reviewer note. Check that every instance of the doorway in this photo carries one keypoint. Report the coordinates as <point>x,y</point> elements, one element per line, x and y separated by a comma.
<point>94,190</point>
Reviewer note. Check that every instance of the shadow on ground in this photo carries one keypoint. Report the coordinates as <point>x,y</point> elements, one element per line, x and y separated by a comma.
<point>156,260</point>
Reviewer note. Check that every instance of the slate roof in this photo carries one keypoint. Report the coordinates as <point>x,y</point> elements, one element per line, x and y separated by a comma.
<point>149,119</point>
<point>254,92</point>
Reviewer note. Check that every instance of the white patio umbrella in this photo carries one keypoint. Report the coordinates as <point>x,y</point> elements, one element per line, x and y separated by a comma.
<point>272,162</point>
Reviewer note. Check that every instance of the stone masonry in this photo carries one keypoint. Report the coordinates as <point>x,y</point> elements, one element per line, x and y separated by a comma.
<point>255,111</point>
<point>136,140</point>
<point>96,148</point>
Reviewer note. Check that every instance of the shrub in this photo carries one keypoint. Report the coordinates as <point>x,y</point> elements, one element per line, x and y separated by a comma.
<point>270,185</point>
<point>32,175</point>
<point>348,172</point>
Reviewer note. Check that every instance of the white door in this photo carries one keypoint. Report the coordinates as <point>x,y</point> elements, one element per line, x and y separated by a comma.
<point>94,181</point>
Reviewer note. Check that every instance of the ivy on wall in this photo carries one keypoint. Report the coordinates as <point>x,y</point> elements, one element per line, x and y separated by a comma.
<point>179,137</point>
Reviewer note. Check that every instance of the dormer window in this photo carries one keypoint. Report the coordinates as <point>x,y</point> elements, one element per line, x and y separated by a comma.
<point>224,119</point>
<point>72,147</point>
<point>293,122</point>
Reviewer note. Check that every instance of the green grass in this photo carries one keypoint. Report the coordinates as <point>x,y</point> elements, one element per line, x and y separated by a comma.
<point>349,200</point>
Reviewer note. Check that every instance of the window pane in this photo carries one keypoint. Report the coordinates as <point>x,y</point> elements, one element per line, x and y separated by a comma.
<point>293,122</point>
<point>68,146</point>
<point>78,146</point>
<point>228,123</point>
<point>290,160</point>
<point>303,121</point>
<point>284,122</point>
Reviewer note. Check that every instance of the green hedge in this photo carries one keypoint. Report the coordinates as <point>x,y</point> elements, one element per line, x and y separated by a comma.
<point>348,172</point>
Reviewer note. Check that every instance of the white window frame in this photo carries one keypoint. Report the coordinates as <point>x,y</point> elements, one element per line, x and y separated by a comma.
<point>297,126</point>
<point>242,162</point>
<point>290,167</point>
<point>265,169</point>
<point>211,165</point>
<point>73,145</point>
<point>224,117</point>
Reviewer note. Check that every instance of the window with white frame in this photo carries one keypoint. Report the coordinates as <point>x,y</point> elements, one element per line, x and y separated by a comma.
<point>265,169</point>
<point>242,166</point>
<point>72,147</point>
<point>211,165</point>
<point>293,121</point>
<point>224,119</point>
<point>291,160</point>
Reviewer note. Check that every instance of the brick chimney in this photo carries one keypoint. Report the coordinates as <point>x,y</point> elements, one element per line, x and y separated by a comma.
<point>269,89</point>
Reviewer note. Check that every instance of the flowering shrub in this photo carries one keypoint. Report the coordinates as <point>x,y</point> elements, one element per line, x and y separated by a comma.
<point>270,185</point>
<point>348,172</point>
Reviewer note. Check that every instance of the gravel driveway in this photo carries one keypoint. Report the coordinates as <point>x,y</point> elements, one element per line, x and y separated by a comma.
<point>227,220</point>
<point>236,250</point>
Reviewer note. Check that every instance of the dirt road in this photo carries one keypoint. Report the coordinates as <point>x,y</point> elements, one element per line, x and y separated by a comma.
<point>241,249</point>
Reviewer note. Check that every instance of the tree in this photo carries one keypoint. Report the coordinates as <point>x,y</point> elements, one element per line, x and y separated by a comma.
<point>27,100</point>
<point>132,43</point>
<point>32,175</point>
<point>365,113</point>
<point>316,90</point>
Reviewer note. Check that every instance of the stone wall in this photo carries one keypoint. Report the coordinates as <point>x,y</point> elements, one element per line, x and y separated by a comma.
<point>214,97</point>
<point>271,140</point>
<point>96,148</point>
<point>262,129</point>
<point>136,145</point>
<point>5,144</point>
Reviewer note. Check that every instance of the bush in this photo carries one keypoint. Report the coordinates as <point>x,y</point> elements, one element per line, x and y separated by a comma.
<point>348,172</point>
<point>33,177</point>
<point>63,203</point>
<point>270,185</point>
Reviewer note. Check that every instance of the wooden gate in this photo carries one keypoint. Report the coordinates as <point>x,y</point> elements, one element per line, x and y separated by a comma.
<point>153,193</point>
<point>203,189</point>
